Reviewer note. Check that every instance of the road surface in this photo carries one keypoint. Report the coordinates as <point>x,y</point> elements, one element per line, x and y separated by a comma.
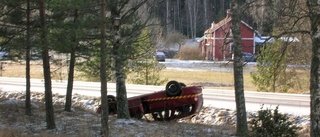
<point>297,104</point>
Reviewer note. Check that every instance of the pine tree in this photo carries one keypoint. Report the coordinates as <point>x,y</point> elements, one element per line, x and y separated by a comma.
<point>145,69</point>
<point>271,75</point>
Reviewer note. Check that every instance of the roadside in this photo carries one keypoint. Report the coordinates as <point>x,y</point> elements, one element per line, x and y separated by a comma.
<point>82,121</point>
<point>209,74</point>
<point>204,120</point>
<point>220,66</point>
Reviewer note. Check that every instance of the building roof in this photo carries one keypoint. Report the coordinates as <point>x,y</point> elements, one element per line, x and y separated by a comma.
<point>227,19</point>
<point>215,26</point>
<point>264,39</point>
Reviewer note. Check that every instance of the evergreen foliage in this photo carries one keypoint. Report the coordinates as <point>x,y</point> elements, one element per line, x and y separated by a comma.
<point>70,23</point>
<point>272,124</point>
<point>147,72</point>
<point>145,69</point>
<point>12,27</point>
<point>272,74</point>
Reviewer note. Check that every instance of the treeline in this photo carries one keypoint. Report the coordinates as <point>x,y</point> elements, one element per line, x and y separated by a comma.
<point>193,17</point>
<point>107,35</point>
<point>190,17</point>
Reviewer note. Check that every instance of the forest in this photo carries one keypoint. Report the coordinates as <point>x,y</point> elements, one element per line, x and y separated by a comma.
<point>192,18</point>
<point>189,18</point>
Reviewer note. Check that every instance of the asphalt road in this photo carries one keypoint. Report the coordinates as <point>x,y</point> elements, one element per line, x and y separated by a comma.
<point>220,66</point>
<point>297,104</point>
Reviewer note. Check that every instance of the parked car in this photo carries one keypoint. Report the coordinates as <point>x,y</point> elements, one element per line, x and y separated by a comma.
<point>175,102</point>
<point>160,56</point>
<point>36,56</point>
<point>3,55</point>
<point>248,57</point>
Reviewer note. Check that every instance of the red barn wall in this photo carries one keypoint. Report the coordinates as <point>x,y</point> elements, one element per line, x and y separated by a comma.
<point>247,46</point>
<point>246,32</point>
<point>221,32</point>
<point>217,42</point>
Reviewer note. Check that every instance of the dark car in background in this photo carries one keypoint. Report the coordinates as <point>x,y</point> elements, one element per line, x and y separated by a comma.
<point>248,57</point>
<point>160,56</point>
<point>3,55</point>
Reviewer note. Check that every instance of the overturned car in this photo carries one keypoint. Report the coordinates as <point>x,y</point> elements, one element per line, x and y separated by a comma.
<point>175,102</point>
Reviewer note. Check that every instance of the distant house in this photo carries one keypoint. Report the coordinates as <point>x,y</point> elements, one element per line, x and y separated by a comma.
<point>216,44</point>
<point>260,41</point>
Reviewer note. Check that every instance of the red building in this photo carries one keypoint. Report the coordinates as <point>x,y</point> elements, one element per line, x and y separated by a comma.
<point>216,44</point>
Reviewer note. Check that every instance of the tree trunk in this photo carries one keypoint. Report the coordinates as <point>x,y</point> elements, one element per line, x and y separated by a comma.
<point>195,10</point>
<point>314,14</point>
<point>72,62</point>
<point>68,103</point>
<point>179,16</point>
<point>167,16</point>
<point>119,53</point>
<point>103,73</point>
<point>242,128</point>
<point>122,101</point>
<point>190,9</point>
<point>46,68</point>
<point>27,101</point>
<point>205,13</point>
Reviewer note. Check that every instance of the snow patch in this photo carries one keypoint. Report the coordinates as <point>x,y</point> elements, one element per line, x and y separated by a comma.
<point>126,121</point>
<point>12,102</point>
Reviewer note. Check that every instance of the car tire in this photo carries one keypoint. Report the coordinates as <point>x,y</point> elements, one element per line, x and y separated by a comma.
<point>173,88</point>
<point>112,102</point>
<point>183,85</point>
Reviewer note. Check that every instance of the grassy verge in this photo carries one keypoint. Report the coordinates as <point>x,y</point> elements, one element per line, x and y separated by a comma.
<point>208,79</point>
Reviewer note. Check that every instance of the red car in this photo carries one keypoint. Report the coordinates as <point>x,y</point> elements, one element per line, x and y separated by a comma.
<point>175,102</point>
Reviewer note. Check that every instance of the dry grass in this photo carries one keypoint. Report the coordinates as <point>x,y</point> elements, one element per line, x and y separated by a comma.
<point>11,69</point>
<point>14,69</point>
<point>208,79</point>
<point>216,79</point>
<point>190,53</point>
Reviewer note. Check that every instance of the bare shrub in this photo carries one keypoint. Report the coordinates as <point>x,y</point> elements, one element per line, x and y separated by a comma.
<point>190,53</point>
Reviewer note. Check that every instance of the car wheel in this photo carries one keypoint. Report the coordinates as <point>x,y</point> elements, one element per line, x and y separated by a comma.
<point>173,88</point>
<point>183,85</point>
<point>112,102</point>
